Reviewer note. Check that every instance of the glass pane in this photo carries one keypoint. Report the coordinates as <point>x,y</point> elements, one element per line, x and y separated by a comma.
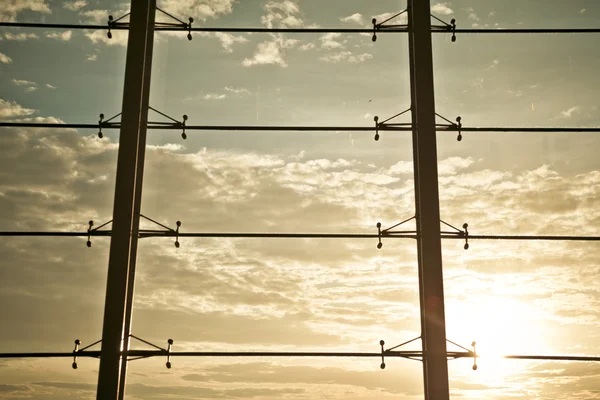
<point>277,294</point>
<point>54,180</point>
<point>48,379</point>
<point>276,378</point>
<point>516,298</point>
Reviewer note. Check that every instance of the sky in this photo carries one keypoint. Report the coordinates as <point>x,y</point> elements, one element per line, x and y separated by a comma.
<point>292,294</point>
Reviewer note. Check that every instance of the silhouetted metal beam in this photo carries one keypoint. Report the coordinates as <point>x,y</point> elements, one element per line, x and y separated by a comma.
<point>427,216</point>
<point>125,222</point>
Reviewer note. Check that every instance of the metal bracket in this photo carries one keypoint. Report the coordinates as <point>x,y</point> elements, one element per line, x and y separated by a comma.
<point>472,353</point>
<point>384,124</point>
<point>458,232</point>
<point>450,27</point>
<point>184,25</point>
<point>174,124</point>
<point>451,126</point>
<point>90,231</point>
<point>107,124</point>
<point>142,233</point>
<point>390,232</point>
<point>77,350</point>
<point>167,230</point>
<point>162,350</point>
<point>113,23</point>
<point>380,26</point>
<point>391,349</point>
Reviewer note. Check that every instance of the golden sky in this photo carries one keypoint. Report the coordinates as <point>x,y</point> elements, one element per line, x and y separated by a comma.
<point>297,294</point>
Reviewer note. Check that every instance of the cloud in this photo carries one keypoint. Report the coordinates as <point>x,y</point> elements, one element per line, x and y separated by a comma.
<point>356,18</point>
<point>74,5</point>
<point>238,91</point>
<point>95,15</point>
<point>228,40</point>
<point>328,41</point>
<point>92,57</point>
<point>10,109</point>
<point>473,17</point>
<point>582,11</point>
<point>119,38</point>
<point>200,10</point>
<point>346,56</point>
<point>10,9</point>
<point>569,112</point>
<point>282,13</point>
<point>212,96</point>
<point>64,36</point>
<point>32,86</point>
<point>266,53</point>
<point>22,82</point>
<point>307,46</point>
<point>4,59</point>
<point>49,86</point>
<point>20,36</point>
<point>441,9</point>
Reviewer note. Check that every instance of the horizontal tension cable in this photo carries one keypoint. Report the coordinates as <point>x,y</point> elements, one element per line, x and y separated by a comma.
<point>297,30</point>
<point>303,128</point>
<point>295,235</point>
<point>402,354</point>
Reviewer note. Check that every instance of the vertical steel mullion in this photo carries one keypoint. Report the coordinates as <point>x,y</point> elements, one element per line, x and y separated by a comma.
<point>427,210</point>
<point>137,206</point>
<point>130,165</point>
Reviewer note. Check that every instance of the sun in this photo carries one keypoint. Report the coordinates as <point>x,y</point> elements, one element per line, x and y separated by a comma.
<point>500,326</point>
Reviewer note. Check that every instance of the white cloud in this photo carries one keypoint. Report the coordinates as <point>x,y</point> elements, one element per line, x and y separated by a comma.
<point>96,15</point>
<point>452,165</point>
<point>569,112</point>
<point>9,9</point>
<point>356,18</point>
<point>198,9</point>
<point>328,41</point>
<point>22,82</point>
<point>10,109</point>
<point>92,57</point>
<point>4,59</point>
<point>307,46</point>
<point>119,38</point>
<point>20,36</point>
<point>65,36</point>
<point>346,56</point>
<point>31,86</point>
<point>441,9</point>
<point>49,86</point>
<point>238,91</point>
<point>74,5</point>
<point>266,53</point>
<point>582,11</point>
<point>473,17</point>
<point>214,96</point>
<point>228,40</point>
